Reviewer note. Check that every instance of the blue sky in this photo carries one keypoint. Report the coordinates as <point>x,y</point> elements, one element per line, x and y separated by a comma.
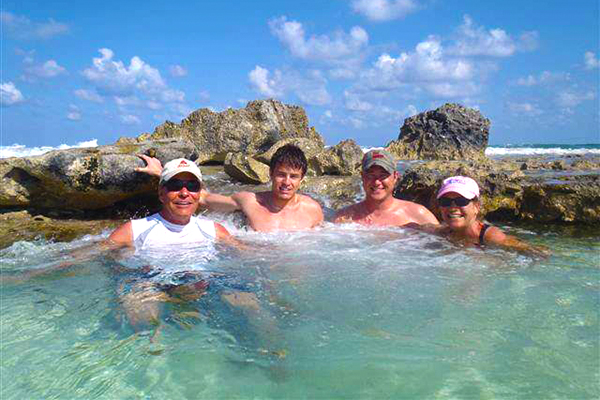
<point>75,71</point>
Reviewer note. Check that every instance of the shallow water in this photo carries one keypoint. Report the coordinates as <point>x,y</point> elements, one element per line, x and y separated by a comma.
<point>345,312</point>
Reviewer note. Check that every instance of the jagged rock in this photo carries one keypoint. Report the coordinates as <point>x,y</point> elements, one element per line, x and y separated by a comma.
<point>310,148</point>
<point>83,178</point>
<point>342,159</point>
<point>334,192</point>
<point>507,193</point>
<point>250,130</point>
<point>451,132</point>
<point>246,169</point>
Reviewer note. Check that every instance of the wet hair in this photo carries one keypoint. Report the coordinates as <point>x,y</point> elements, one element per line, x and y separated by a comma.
<point>289,155</point>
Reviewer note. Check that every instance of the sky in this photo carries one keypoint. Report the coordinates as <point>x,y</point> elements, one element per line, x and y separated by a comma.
<point>72,71</point>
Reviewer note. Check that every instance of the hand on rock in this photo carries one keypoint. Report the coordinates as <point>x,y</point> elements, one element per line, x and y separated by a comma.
<point>153,165</point>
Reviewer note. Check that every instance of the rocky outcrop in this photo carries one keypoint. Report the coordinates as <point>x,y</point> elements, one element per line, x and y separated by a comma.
<point>250,130</point>
<point>310,148</point>
<point>246,169</point>
<point>83,178</point>
<point>342,159</point>
<point>508,194</point>
<point>451,132</point>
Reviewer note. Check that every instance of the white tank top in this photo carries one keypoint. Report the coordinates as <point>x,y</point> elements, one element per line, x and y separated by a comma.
<point>155,231</point>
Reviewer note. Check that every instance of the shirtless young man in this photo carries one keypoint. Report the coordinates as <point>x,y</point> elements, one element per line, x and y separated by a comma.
<point>281,208</point>
<point>379,177</point>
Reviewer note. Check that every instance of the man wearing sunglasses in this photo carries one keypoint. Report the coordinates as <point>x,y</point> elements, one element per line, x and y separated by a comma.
<point>379,177</point>
<point>179,192</point>
<point>281,208</point>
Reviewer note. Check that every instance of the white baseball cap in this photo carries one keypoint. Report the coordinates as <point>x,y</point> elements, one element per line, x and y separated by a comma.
<point>178,166</point>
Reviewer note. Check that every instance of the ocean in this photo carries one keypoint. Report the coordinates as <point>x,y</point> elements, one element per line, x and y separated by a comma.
<point>17,150</point>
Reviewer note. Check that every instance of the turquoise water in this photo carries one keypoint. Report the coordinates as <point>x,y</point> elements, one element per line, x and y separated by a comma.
<point>346,312</point>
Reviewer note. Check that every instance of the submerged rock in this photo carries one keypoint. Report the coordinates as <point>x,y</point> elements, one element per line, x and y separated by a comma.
<point>451,132</point>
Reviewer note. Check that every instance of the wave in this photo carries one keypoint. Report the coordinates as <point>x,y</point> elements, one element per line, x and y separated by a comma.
<point>19,150</point>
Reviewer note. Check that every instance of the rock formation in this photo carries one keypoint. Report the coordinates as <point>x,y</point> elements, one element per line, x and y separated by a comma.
<point>451,132</point>
<point>250,130</point>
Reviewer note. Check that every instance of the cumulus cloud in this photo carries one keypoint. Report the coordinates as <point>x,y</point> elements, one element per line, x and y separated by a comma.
<point>526,109</point>
<point>545,77</point>
<point>130,119</point>
<point>21,27</point>
<point>473,40</point>
<point>137,85</point>
<point>88,95</point>
<point>570,98</point>
<point>177,71</point>
<point>384,10</point>
<point>340,45</point>
<point>265,84</point>
<point>354,103</point>
<point>10,95</point>
<point>427,67</point>
<point>591,61</point>
<point>74,114</point>
<point>49,69</point>
<point>310,88</point>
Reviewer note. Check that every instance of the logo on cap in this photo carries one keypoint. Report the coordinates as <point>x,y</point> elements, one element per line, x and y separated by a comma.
<point>182,164</point>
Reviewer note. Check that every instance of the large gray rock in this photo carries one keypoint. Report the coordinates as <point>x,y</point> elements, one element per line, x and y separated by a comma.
<point>342,159</point>
<point>451,132</point>
<point>83,178</point>
<point>246,169</point>
<point>310,148</point>
<point>250,130</point>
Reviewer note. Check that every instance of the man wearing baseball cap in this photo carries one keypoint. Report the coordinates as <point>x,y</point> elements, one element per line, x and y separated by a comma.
<point>179,192</point>
<point>379,177</point>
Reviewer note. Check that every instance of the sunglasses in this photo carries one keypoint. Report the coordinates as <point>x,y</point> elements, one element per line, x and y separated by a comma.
<point>458,202</point>
<point>175,185</point>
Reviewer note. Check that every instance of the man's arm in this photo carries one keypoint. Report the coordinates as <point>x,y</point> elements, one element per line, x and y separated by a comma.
<point>122,236</point>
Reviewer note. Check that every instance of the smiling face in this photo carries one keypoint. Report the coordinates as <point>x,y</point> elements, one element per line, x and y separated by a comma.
<point>459,218</point>
<point>378,183</point>
<point>285,181</point>
<point>180,205</point>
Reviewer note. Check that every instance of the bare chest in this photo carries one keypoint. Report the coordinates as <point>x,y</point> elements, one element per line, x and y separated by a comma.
<point>263,220</point>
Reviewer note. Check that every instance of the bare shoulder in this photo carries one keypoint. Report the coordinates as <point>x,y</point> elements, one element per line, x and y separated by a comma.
<point>122,236</point>
<point>417,212</point>
<point>221,231</point>
<point>308,201</point>
<point>311,207</point>
<point>495,235</point>
<point>245,197</point>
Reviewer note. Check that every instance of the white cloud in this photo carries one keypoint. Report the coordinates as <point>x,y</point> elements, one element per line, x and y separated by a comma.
<point>177,71</point>
<point>591,61</point>
<point>526,109</point>
<point>204,96</point>
<point>263,84</point>
<point>545,77</point>
<point>475,40</point>
<point>21,27</point>
<point>88,95</point>
<point>384,10</point>
<point>427,67</point>
<point>129,119</point>
<point>354,103</point>
<point>342,73</point>
<point>49,69</point>
<point>134,86</point>
<point>339,45</point>
<point>74,114</point>
<point>309,88</point>
<point>570,98</point>
<point>10,95</point>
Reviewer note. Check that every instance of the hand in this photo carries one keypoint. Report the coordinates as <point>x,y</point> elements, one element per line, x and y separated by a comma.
<point>153,165</point>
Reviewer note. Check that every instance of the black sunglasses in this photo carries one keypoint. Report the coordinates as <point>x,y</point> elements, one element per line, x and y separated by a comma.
<point>175,185</point>
<point>458,202</point>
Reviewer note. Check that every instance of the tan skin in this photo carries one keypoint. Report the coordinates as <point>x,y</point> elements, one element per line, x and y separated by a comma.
<point>281,208</point>
<point>380,208</point>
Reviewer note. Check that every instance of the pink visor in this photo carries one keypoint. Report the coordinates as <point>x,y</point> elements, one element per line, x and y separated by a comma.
<point>462,185</point>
